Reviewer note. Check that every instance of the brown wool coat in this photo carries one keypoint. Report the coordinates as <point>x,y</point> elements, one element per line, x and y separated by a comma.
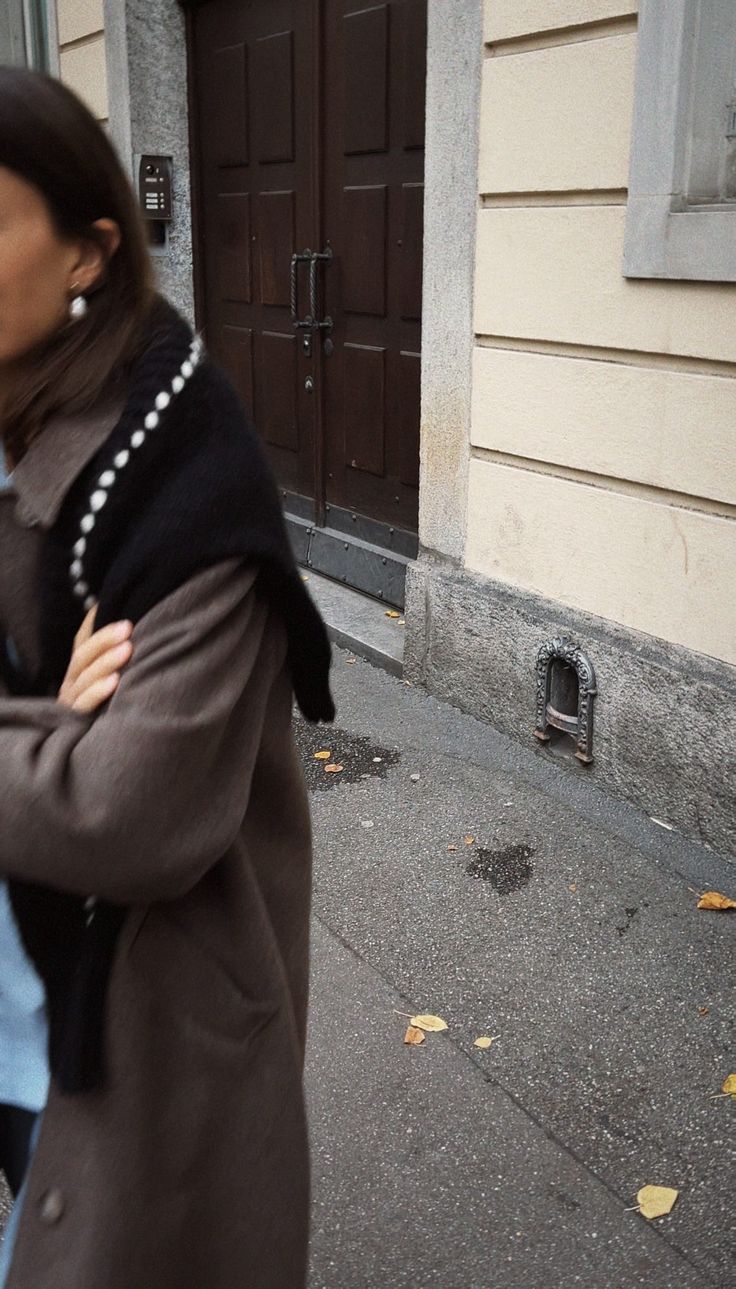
<point>184,799</point>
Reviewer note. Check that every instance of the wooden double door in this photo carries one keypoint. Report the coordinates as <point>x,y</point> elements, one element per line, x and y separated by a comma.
<point>308,167</point>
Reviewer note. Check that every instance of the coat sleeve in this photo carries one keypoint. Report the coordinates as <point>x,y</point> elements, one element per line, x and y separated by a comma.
<point>136,804</point>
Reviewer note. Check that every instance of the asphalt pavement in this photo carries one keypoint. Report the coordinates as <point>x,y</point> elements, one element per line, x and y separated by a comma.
<point>462,875</point>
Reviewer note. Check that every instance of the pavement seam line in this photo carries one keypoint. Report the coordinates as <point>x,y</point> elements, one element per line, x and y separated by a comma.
<point>514,1099</point>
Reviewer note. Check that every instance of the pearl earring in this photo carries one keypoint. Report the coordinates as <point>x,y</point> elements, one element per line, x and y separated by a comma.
<point>77,306</point>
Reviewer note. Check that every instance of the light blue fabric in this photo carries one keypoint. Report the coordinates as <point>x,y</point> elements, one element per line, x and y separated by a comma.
<point>24,1069</point>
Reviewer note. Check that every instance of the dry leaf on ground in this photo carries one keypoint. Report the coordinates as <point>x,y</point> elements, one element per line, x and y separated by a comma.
<point>469,841</point>
<point>656,1201</point>
<point>714,900</point>
<point>573,887</point>
<point>322,756</point>
<point>703,1011</point>
<point>334,769</point>
<point>432,1024</point>
<point>729,1087</point>
<point>391,613</point>
<point>414,1036</point>
<point>483,1043</point>
<point>452,847</point>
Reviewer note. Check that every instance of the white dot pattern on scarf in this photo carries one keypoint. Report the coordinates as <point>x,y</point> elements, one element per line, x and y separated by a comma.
<point>108,478</point>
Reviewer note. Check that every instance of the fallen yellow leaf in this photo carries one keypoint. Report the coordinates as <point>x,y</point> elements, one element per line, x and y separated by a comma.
<point>714,900</point>
<point>322,756</point>
<point>414,1036</point>
<point>656,1201</point>
<point>468,840</point>
<point>730,1086</point>
<point>391,613</point>
<point>432,1024</point>
<point>483,1043</point>
<point>334,769</point>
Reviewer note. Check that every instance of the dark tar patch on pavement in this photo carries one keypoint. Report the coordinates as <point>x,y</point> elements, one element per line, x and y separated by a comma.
<point>359,757</point>
<point>507,870</point>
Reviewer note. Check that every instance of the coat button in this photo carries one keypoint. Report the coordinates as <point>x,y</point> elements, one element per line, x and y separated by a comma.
<point>52,1206</point>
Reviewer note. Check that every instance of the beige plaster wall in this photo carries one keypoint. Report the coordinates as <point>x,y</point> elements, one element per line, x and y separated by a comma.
<point>82,52</point>
<point>603,433</point>
<point>523,19</point>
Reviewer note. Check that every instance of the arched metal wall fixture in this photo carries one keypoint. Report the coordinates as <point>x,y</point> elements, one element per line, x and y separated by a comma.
<point>579,726</point>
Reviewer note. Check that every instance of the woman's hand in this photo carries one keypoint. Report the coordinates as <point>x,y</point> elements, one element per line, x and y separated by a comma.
<point>94,671</point>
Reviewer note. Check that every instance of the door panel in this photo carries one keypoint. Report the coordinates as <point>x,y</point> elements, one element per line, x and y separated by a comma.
<point>414,68</point>
<point>373,172</point>
<point>364,407</point>
<point>232,231</point>
<point>230,123</point>
<point>364,213</point>
<point>310,134</point>
<point>276,230</point>
<point>273,97</point>
<point>236,354</point>
<point>365,70</point>
<point>252,65</point>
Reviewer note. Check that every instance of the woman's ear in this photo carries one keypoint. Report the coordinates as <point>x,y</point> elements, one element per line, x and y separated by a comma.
<point>94,255</point>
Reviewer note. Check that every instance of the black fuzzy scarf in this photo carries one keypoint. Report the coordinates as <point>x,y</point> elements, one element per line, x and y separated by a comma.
<point>180,484</point>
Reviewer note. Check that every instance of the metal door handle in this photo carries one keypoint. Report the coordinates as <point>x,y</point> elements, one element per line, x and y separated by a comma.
<point>303,257</point>
<point>316,256</point>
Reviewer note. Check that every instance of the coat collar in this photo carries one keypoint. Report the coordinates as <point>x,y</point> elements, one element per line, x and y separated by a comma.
<point>55,458</point>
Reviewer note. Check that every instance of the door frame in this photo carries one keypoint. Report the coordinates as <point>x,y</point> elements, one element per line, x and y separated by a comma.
<point>452,125</point>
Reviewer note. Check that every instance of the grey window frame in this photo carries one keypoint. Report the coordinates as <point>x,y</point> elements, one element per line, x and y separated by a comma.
<point>666,236</point>
<point>42,35</point>
<point>30,34</point>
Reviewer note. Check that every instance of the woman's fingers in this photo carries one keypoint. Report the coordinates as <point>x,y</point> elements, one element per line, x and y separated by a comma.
<point>94,667</point>
<point>95,695</point>
<point>103,666</point>
<point>87,627</point>
<point>88,648</point>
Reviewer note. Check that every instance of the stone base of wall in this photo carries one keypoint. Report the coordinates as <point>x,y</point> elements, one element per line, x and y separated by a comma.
<point>665,718</point>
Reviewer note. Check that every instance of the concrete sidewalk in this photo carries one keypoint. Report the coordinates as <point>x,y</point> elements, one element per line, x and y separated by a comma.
<point>568,928</point>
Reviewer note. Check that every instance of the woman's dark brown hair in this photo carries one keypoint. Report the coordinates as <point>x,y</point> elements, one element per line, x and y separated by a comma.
<point>51,140</point>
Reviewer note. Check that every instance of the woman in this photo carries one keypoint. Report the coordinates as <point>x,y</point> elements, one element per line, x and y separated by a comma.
<point>155,840</point>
